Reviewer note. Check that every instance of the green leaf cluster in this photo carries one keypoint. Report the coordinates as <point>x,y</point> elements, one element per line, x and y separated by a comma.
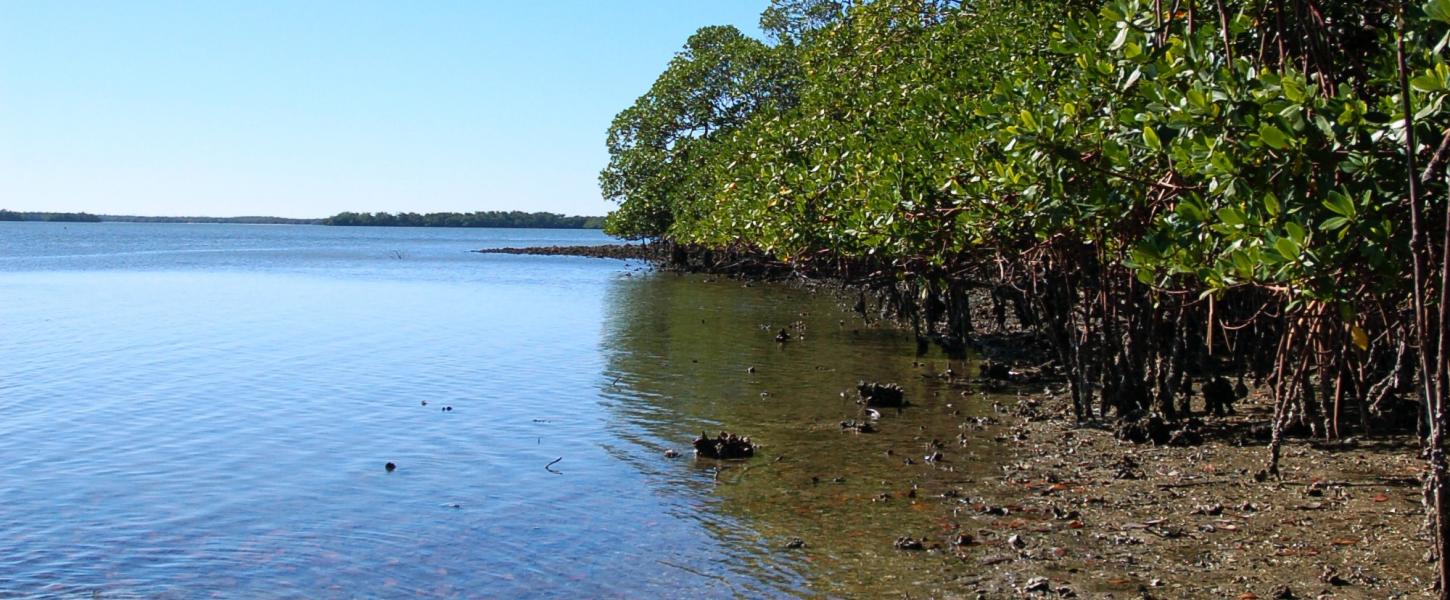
<point>952,133</point>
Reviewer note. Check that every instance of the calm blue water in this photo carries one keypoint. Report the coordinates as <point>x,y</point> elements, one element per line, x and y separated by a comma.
<point>205,410</point>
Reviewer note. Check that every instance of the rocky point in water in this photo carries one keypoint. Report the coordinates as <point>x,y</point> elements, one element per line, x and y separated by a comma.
<point>887,395</point>
<point>724,446</point>
<point>619,251</point>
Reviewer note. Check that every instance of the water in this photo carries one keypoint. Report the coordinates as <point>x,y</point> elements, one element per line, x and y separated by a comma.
<point>206,410</point>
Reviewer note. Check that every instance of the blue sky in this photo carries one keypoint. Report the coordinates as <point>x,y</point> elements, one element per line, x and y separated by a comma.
<point>308,108</point>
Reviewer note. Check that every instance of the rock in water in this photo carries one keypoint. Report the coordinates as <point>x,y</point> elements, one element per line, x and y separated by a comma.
<point>907,542</point>
<point>881,394</point>
<point>724,446</point>
<point>995,370</point>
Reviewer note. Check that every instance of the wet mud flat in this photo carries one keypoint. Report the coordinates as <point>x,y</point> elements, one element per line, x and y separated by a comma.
<point>1079,513</point>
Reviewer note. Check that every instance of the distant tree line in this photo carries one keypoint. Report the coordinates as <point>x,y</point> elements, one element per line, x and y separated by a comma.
<point>490,218</point>
<point>254,220</point>
<point>10,215</point>
<point>83,217</point>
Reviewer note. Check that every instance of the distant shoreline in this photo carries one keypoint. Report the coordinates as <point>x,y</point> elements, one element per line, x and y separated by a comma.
<point>84,217</point>
<point>481,219</point>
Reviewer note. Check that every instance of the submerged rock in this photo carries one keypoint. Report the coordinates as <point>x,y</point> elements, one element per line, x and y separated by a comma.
<point>907,542</point>
<point>881,394</point>
<point>724,446</point>
<point>994,370</point>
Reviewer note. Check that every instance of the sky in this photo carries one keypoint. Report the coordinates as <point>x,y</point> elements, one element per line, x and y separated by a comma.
<point>307,108</point>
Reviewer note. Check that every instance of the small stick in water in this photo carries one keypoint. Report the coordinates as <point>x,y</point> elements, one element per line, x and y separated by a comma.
<point>555,461</point>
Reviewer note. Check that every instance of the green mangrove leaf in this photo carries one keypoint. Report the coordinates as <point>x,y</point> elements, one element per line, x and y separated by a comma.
<point>1340,204</point>
<point>1296,233</point>
<point>1273,137</point>
<point>1231,217</point>
<point>1438,10</point>
<point>1287,248</point>
<point>1150,138</point>
<point>1427,83</point>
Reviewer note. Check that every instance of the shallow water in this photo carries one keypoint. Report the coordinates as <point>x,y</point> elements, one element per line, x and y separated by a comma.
<point>194,410</point>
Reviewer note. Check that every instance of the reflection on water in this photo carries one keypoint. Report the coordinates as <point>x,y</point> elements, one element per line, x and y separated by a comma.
<point>206,410</point>
<point>681,351</point>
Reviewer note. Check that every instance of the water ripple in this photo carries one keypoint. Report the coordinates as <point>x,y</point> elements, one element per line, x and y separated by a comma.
<point>200,411</point>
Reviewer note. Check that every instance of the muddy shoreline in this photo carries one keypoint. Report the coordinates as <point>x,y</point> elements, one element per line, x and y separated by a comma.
<point>1081,513</point>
